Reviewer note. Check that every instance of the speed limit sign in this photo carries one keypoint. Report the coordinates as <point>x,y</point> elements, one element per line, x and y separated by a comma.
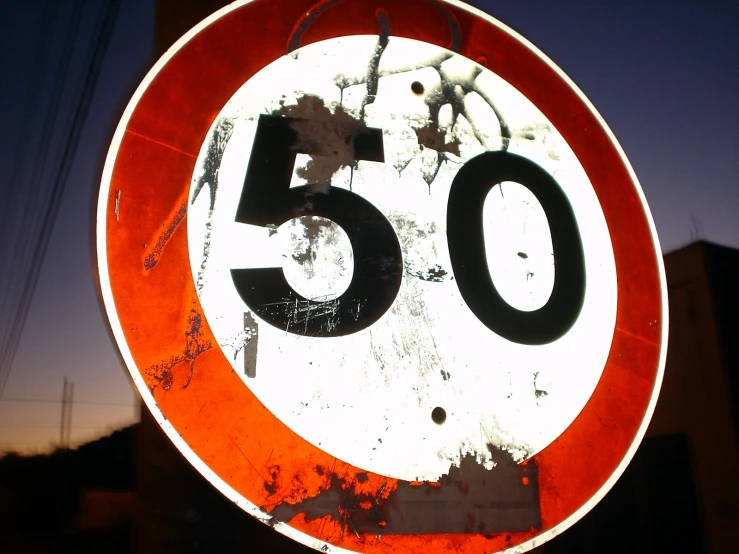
<point>383,275</point>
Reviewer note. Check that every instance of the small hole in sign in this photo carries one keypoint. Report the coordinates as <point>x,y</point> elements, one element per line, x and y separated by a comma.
<point>438,415</point>
<point>417,87</point>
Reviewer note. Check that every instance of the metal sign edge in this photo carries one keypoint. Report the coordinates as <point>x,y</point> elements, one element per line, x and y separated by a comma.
<point>117,331</point>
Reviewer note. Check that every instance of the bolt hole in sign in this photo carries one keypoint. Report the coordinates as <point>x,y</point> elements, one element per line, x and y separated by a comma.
<point>383,275</point>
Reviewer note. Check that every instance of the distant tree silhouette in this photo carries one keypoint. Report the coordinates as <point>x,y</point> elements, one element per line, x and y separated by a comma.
<point>40,494</point>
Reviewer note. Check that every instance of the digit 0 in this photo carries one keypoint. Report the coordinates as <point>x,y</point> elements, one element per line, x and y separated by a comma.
<point>466,241</point>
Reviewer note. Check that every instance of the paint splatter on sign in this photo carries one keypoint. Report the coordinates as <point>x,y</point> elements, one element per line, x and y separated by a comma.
<point>434,110</point>
<point>381,248</point>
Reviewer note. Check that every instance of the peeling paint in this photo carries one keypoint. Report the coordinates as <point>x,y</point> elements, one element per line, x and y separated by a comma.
<point>195,345</point>
<point>394,373</point>
<point>327,135</point>
<point>214,156</point>
<point>433,274</point>
<point>364,399</point>
<point>468,498</point>
<point>539,393</point>
<point>118,205</point>
<point>209,177</point>
<point>155,253</point>
<point>321,259</point>
<point>300,312</point>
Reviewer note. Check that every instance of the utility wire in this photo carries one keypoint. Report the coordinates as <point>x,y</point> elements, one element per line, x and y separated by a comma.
<point>30,226</point>
<point>99,46</point>
<point>55,427</point>
<point>40,59</point>
<point>19,269</point>
<point>30,229</point>
<point>51,401</point>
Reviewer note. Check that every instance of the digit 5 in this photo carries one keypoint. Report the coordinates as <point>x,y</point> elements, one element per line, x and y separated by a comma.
<point>267,199</point>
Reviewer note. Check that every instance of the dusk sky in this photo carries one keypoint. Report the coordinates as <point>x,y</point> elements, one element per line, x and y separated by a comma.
<point>663,74</point>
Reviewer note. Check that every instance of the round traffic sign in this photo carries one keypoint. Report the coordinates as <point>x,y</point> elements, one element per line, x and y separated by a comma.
<point>382,284</point>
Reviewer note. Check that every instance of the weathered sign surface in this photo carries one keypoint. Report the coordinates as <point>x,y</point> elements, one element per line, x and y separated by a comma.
<point>386,285</point>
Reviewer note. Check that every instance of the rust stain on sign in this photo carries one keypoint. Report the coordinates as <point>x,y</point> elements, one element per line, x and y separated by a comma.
<point>118,205</point>
<point>468,499</point>
<point>155,252</point>
<point>195,345</point>
<point>328,136</point>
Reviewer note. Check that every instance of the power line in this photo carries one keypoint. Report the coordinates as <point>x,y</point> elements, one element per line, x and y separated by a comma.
<point>98,48</point>
<point>50,427</point>
<point>40,59</point>
<point>65,425</point>
<point>18,264</point>
<point>52,401</point>
<point>7,445</point>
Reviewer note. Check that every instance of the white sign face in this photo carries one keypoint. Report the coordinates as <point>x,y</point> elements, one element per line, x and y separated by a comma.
<point>366,394</point>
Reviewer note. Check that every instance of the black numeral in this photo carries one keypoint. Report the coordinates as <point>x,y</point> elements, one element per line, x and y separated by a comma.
<point>467,249</point>
<point>267,199</point>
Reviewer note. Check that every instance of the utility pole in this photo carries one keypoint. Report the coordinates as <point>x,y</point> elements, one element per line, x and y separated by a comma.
<point>65,426</point>
<point>70,403</point>
<point>64,414</point>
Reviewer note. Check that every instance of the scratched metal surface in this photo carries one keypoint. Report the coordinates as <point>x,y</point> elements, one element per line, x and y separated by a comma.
<point>354,427</point>
<point>429,349</point>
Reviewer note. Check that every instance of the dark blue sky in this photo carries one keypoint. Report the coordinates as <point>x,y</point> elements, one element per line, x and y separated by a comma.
<point>662,73</point>
<point>65,334</point>
<point>665,77</point>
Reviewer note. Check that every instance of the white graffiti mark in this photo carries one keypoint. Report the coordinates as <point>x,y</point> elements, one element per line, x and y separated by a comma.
<point>300,312</point>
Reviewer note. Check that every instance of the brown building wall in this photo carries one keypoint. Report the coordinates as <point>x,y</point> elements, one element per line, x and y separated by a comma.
<point>697,398</point>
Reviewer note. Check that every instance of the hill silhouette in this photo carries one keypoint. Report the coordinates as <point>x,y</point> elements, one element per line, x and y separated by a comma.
<point>41,495</point>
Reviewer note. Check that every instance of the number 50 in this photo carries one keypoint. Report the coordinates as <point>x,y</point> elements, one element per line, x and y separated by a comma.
<point>267,199</point>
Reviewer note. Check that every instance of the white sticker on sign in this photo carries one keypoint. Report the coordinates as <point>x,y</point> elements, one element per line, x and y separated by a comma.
<point>349,290</point>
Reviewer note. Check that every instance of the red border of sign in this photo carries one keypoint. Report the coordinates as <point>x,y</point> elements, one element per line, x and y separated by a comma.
<point>173,357</point>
